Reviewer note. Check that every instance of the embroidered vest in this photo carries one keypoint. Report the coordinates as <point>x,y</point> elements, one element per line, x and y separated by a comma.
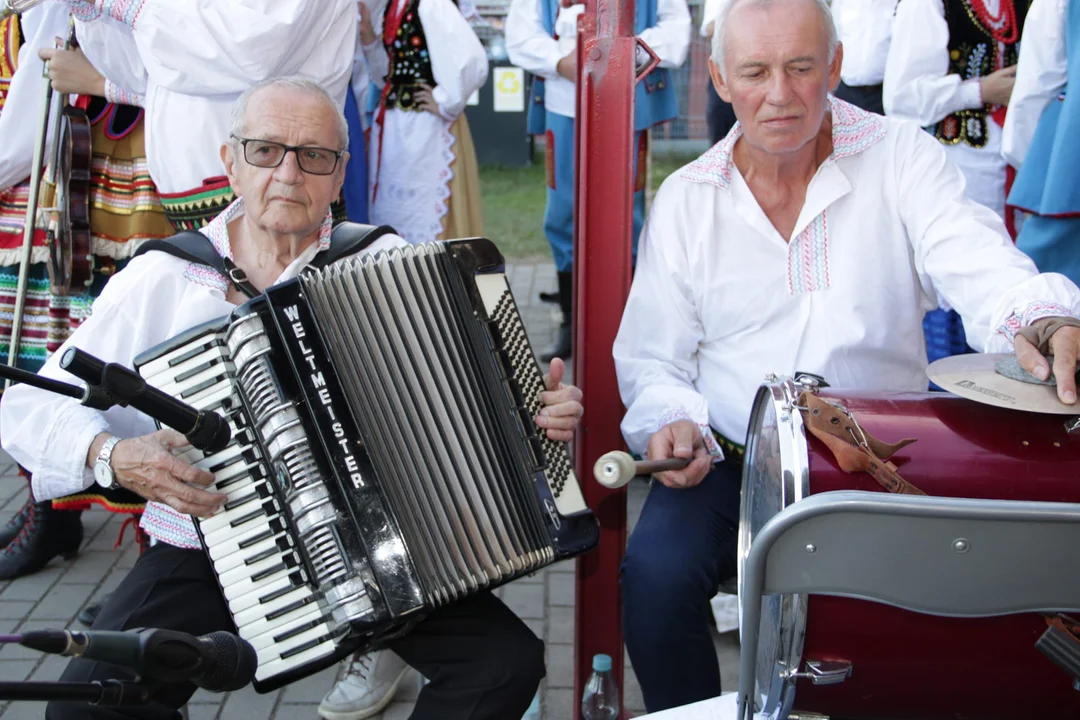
<point>410,63</point>
<point>1046,183</point>
<point>654,99</point>
<point>11,39</point>
<point>974,52</point>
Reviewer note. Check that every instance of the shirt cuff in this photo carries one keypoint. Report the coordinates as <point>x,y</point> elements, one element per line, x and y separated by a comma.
<point>711,446</point>
<point>971,94</point>
<point>116,94</point>
<point>62,469</point>
<point>1028,314</point>
<point>125,11</point>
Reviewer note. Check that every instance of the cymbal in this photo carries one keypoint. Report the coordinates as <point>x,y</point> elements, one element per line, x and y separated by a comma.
<point>975,376</point>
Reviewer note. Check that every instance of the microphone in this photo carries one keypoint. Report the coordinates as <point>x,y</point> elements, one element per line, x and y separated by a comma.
<point>218,662</point>
<point>204,429</point>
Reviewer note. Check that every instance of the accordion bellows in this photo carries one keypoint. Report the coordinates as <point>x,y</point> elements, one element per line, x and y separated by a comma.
<point>384,458</point>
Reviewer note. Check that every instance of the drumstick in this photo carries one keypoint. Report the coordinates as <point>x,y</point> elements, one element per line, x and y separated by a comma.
<point>615,469</point>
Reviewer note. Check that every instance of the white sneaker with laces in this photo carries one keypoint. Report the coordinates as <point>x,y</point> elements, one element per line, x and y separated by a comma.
<point>368,687</point>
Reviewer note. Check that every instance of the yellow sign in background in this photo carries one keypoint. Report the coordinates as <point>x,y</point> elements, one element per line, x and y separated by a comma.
<point>509,89</point>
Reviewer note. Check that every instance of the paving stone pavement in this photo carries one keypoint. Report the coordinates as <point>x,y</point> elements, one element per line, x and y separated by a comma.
<point>545,601</point>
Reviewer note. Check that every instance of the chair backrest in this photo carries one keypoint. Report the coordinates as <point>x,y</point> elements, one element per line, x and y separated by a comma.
<point>943,556</point>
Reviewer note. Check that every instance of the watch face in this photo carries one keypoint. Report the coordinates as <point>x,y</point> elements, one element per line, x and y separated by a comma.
<point>103,474</point>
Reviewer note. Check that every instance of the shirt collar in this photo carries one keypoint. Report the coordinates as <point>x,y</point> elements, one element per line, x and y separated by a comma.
<point>853,131</point>
<point>217,230</point>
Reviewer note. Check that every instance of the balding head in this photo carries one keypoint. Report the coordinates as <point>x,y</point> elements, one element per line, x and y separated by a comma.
<point>724,24</point>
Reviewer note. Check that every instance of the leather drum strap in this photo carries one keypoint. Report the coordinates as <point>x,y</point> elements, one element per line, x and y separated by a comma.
<point>855,449</point>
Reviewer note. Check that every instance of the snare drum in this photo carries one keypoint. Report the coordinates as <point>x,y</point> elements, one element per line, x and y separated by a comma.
<point>904,664</point>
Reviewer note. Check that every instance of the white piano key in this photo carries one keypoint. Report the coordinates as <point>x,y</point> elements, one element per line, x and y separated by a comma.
<point>262,635</point>
<point>225,518</point>
<point>235,559</point>
<point>260,611</point>
<point>227,537</point>
<point>217,372</point>
<point>161,364</point>
<point>216,355</point>
<point>242,573</point>
<point>271,665</point>
<point>260,587</point>
<point>223,545</point>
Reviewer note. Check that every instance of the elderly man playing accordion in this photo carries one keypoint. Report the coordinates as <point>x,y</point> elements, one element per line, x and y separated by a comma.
<point>813,238</point>
<point>285,160</point>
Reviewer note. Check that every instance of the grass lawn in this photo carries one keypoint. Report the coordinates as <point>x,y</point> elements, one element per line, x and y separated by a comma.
<point>513,200</point>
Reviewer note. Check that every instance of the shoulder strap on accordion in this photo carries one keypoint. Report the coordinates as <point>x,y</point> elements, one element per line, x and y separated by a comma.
<point>347,239</point>
<point>350,238</point>
<point>195,247</point>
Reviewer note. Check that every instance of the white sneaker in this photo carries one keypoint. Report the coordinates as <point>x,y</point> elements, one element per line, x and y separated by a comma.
<point>368,687</point>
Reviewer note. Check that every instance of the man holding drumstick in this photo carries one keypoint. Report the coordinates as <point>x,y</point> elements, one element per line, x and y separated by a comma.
<point>813,238</point>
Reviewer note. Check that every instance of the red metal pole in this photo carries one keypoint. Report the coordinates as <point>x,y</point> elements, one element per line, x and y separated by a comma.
<point>603,224</point>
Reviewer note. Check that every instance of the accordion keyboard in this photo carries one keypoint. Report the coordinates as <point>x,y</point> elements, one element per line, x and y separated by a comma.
<point>255,558</point>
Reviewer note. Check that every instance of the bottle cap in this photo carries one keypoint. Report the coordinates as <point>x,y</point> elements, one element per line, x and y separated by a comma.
<point>601,663</point>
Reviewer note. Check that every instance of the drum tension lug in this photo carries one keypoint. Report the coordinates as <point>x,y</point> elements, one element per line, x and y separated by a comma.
<point>825,672</point>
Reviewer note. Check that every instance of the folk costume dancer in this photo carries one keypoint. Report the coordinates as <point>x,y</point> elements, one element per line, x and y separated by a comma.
<point>423,174</point>
<point>951,68</point>
<point>865,29</point>
<point>541,37</point>
<point>193,77</point>
<point>1040,137</point>
<point>124,212</point>
<point>813,238</point>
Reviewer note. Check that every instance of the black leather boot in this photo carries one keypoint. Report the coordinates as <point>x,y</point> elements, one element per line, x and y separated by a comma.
<point>564,339</point>
<point>45,534</point>
<point>15,524</point>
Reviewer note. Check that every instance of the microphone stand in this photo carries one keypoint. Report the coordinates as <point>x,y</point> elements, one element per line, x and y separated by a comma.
<point>109,693</point>
<point>109,384</point>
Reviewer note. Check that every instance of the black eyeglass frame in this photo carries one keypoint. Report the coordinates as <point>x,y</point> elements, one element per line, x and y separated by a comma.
<point>287,149</point>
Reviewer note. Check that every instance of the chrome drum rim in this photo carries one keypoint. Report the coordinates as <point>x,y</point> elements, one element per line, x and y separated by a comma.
<point>776,474</point>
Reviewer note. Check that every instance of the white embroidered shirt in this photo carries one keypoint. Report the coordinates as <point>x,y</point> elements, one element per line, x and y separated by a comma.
<point>155,298</point>
<point>720,299</point>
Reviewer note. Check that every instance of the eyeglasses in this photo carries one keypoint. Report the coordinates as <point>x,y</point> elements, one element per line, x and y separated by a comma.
<point>269,154</point>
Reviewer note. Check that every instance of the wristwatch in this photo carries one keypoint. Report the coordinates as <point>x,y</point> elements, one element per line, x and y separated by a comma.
<point>103,472</point>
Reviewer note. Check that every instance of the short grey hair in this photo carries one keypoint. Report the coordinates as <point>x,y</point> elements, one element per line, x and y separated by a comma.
<point>720,28</point>
<point>238,122</point>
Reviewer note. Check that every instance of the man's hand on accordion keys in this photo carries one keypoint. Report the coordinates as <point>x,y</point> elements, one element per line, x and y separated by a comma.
<point>562,404</point>
<point>147,466</point>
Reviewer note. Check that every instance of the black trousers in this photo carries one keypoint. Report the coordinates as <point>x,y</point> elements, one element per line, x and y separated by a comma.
<point>481,660</point>
<point>867,97</point>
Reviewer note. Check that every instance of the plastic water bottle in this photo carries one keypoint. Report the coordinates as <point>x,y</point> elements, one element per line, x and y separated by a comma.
<point>533,713</point>
<point>601,699</point>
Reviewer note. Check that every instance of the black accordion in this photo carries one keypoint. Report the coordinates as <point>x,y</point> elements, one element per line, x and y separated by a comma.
<point>384,459</point>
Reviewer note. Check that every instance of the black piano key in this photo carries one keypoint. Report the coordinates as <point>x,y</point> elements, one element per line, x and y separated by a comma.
<point>266,509</point>
<point>201,367</point>
<point>286,609</point>
<point>295,581</point>
<point>214,341</point>
<point>314,642</point>
<point>268,533</point>
<point>207,383</point>
<point>299,629</point>
<point>287,561</point>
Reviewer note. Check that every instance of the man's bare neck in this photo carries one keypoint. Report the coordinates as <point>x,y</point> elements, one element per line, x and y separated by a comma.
<point>263,255</point>
<point>792,171</point>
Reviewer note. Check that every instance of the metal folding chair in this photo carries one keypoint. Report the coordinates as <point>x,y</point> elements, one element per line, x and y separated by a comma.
<point>941,556</point>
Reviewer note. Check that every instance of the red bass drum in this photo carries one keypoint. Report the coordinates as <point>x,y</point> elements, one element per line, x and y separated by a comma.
<point>906,665</point>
